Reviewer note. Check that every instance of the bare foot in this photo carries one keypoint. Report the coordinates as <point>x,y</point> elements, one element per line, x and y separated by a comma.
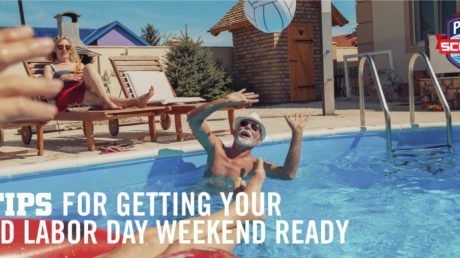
<point>253,188</point>
<point>144,99</point>
<point>111,106</point>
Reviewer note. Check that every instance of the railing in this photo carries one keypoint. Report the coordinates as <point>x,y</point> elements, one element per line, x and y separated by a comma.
<point>383,102</point>
<point>389,53</point>
<point>438,89</point>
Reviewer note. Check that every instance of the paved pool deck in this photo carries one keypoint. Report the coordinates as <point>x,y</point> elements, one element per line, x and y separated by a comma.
<point>71,144</point>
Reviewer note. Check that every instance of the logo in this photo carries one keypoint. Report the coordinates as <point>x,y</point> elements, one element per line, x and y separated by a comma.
<point>450,44</point>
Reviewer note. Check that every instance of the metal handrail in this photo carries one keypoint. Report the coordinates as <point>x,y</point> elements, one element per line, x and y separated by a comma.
<point>383,102</point>
<point>374,53</point>
<point>438,89</point>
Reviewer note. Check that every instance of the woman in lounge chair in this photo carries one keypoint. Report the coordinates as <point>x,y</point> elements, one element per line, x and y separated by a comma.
<point>82,84</point>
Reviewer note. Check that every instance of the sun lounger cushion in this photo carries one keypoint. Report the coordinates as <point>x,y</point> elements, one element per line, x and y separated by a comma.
<point>141,81</point>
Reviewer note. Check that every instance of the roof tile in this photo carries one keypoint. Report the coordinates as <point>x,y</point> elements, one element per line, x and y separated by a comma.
<point>235,19</point>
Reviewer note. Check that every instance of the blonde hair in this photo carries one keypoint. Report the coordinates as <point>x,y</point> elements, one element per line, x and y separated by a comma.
<point>73,57</point>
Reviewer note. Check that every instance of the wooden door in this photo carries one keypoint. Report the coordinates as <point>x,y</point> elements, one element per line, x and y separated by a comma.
<point>301,62</point>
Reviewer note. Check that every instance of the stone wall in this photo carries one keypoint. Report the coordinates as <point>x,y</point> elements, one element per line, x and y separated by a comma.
<point>261,59</point>
<point>450,87</point>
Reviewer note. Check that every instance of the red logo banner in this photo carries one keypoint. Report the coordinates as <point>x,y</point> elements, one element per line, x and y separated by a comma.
<point>447,46</point>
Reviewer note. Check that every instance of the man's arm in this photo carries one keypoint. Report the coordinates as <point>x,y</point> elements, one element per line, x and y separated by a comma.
<point>197,117</point>
<point>291,163</point>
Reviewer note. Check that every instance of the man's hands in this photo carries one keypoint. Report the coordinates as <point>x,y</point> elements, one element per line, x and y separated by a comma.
<point>239,185</point>
<point>241,97</point>
<point>18,44</point>
<point>297,122</point>
<point>197,117</point>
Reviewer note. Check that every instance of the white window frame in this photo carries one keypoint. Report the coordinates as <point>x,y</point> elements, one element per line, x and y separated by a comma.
<point>415,20</point>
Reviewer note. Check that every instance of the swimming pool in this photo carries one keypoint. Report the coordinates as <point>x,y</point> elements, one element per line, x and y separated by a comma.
<point>406,207</point>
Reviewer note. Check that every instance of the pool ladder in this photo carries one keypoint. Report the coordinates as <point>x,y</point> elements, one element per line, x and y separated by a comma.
<point>383,102</point>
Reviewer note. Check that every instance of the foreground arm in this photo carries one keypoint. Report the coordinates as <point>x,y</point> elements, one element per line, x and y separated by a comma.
<point>197,117</point>
<point>18,44</point>
<point>154,248</point>
<point>289,169</point>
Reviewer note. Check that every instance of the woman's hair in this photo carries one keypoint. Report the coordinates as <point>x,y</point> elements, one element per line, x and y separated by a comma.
<point>73,57</point>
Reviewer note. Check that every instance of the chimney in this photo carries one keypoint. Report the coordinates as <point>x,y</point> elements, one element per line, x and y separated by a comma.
<point>71,30</point>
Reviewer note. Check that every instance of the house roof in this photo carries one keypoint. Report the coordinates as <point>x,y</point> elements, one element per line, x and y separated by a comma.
<point>88,36</point>
<point>337,17</point>
<point>347,40</point>
<point>52,32</point>
<point>236,19</point>
<point>99,33</point>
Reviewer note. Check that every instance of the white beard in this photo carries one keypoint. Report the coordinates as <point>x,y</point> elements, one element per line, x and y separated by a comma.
<point>246,142</point>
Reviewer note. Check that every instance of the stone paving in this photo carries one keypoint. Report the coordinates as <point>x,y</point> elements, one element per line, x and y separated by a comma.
<point>72,144</point>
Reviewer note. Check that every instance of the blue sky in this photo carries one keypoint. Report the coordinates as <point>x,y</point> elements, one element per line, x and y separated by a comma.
<point>168,16</point>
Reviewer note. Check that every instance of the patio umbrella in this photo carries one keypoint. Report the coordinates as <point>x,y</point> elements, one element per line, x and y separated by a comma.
<point>21,13</point>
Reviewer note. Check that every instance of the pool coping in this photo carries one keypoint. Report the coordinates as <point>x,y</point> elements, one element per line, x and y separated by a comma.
<point>189,148</point>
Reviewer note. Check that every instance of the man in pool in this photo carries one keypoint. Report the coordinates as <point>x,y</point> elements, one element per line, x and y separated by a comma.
<point>236,162</point>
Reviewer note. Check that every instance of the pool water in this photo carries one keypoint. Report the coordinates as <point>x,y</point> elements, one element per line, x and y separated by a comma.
<point>406,206</point>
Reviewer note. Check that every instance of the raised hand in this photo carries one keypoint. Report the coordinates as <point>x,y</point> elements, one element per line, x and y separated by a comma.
<point>18,44</point>
<point>241,97</point>
<point>297,122</point>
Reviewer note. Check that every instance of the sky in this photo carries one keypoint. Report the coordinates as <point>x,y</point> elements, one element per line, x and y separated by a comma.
<point>168,16</point>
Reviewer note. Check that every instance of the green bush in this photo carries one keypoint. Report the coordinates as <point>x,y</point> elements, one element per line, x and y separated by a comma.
<point>193,72</point>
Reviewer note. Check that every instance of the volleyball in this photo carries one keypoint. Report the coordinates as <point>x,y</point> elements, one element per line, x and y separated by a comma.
<point>270,15</point>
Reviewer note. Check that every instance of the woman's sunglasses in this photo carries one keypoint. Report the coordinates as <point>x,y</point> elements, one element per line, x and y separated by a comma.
<point>254,126</point>
<point>62,47</point>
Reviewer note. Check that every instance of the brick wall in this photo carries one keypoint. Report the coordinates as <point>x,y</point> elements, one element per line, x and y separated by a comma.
<point>262,58</point>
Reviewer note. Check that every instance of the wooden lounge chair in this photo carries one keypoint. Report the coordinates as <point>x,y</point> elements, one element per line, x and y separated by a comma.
<point>127,66</point>
<point>26,126</point>
<point>26,133</point>
<point>34,68</point>
<point>89,117</point>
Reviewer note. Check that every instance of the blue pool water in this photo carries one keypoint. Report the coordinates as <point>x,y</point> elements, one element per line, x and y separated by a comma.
<point>408,206</point>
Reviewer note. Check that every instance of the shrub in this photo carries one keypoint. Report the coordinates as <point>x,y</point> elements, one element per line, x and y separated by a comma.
<point>193,72</point>
<point>390,81</point>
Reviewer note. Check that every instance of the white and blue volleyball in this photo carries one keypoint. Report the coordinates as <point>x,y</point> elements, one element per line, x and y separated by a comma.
<point>270,15</point>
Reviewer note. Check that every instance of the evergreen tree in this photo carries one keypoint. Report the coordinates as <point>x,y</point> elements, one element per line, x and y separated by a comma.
<point>151,35</point>
<point>193,72</point>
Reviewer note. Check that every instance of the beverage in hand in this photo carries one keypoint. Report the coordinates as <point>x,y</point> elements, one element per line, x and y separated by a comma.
<point>78,68</point>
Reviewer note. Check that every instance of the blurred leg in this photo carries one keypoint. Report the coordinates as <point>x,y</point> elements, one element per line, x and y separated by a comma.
<point>177,247</point>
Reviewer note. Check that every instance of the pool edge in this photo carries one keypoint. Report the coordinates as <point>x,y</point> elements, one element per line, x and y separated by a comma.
<point>189,148</point>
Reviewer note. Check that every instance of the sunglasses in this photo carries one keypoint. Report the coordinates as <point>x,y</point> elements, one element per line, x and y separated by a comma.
<point>254,126</point>
<point>62,47</point>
